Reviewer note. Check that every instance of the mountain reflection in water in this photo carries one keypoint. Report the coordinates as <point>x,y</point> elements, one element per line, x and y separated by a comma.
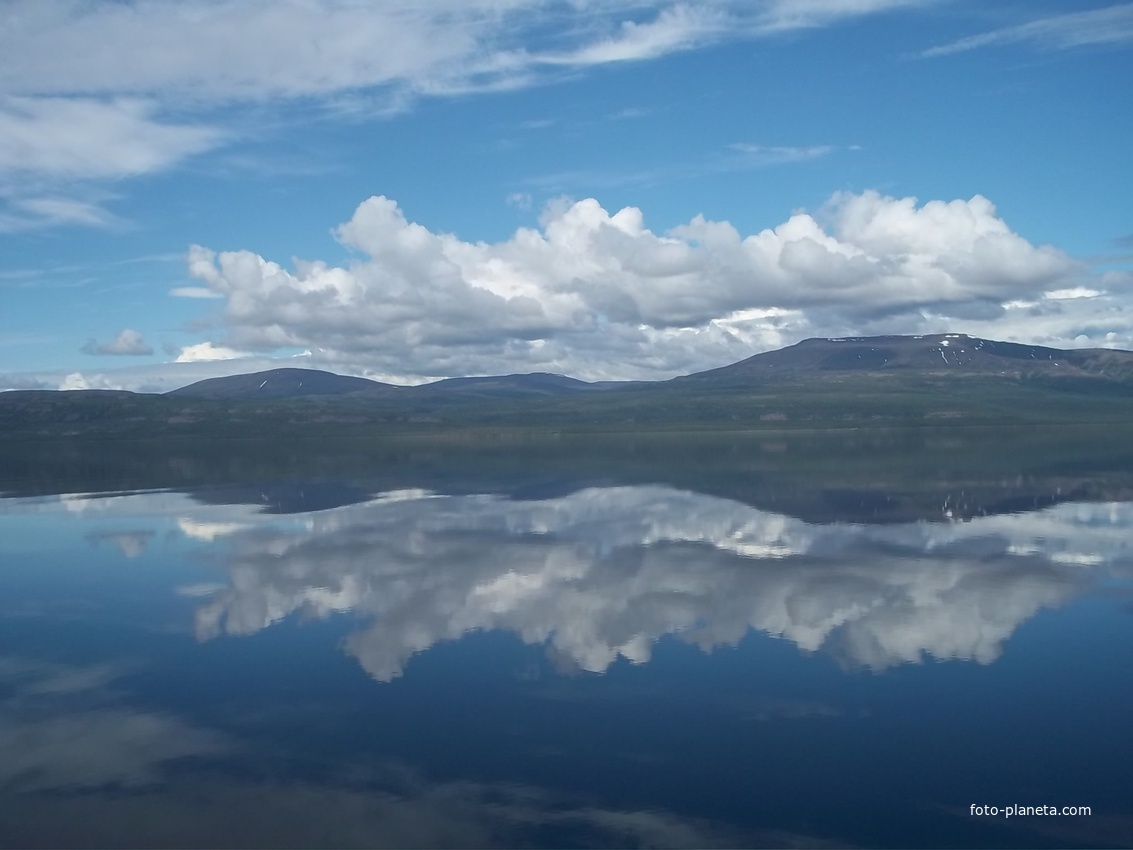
<point>606,572</point>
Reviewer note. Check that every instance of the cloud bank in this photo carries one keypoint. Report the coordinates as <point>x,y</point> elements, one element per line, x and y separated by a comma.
<point>597,294</point>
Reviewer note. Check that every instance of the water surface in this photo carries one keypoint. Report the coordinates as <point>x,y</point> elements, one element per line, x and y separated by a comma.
<point>570,660</point>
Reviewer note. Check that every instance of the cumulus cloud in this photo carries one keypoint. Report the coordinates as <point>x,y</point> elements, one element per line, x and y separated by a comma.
<point>207,351</point>
<point>79,381</point>
<point>597,294</point>
<point>128,343</point>
<point>604,573</point>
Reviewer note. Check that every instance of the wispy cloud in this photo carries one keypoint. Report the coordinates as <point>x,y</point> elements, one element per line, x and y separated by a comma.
<point>69,269</point>
<point>32,213</point>
<point>675,29</point>
<point>112,91</point>
<point>79,138</point>
<point>786,15</point>
<point>740,156</point>
<point>1112,25</point>
<point>758,155</point>
<point>54,148</point>
<point>209,50</point>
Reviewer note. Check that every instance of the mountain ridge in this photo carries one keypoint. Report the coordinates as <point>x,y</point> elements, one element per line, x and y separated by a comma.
<point>286,382</point>
<point>849,382</point>
<point>933,354</point>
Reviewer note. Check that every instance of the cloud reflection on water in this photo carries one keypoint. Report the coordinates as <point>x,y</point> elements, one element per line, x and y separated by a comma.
<point>604,573</point>
<point>68,727</point>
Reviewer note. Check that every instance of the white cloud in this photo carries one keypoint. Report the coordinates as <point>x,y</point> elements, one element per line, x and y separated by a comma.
<point>754,155</point>
<point>1075,292</point>
<point>597,294</point>
<point>128,343</point>
<point>73,138</point>
<point>193,292</point>
<point>228,50</point>
<point>679,27</point>
<point>236,50</point>
<point>1106,26</point>
<point>79,381</point>
<point>109,91</point>
<point>51,146</point>
<point>208,351</point>
<point>785,15</point>
<point>31,213</point>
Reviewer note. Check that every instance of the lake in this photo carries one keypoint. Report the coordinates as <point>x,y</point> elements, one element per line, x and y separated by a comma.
<point>793,640</point>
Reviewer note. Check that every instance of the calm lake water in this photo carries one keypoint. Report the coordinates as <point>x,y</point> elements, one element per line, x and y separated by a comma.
<point>598,660</point>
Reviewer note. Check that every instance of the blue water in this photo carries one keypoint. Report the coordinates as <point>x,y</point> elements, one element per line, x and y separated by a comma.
<point>617,666</point>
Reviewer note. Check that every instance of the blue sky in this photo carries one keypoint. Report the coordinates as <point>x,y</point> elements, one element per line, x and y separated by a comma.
<point>411,190</point>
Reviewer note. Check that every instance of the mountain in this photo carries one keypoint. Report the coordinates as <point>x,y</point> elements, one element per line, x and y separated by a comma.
<point>933,355</point>
<point>533,385</point>
<point>890,381</point>
<point>929,355</point>
<point>301,383</point>
<point>278,384</point>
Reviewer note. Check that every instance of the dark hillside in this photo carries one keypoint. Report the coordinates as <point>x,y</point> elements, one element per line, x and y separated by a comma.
<point>837,383</point>
<point>535,384</point>
<point>278,384</point>
<point>930,355</point>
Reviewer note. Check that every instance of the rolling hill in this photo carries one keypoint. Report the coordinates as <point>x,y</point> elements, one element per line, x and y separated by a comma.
<point>929,355</point>
<point>942,379</point>
<point>532,385</point>
<point>278,384</point>
<point>304,383</point>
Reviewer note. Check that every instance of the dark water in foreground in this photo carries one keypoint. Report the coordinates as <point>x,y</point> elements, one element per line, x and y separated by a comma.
<point>593,663</point>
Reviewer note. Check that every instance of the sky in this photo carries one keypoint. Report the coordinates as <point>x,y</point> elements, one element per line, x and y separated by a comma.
<point>627,189</point>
